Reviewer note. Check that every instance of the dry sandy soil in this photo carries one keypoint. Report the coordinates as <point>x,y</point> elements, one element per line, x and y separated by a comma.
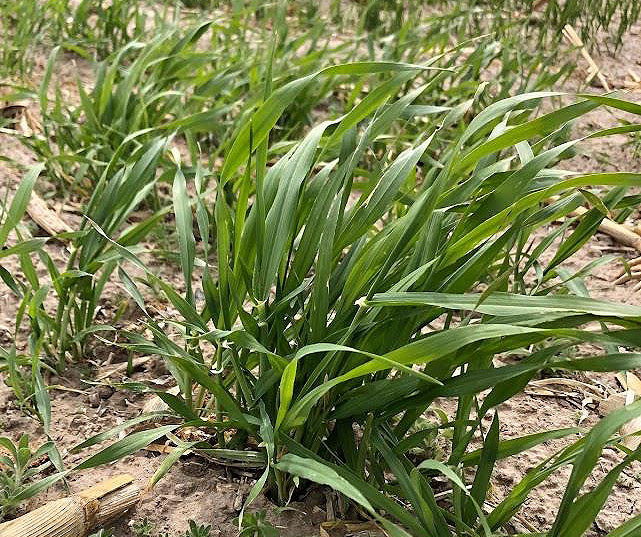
<point>211,494</point>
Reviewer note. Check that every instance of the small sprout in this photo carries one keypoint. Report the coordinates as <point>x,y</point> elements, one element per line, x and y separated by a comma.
<point>197,531</point>
<point>102,533</point>
<point>143,528</point>
<point>21,473</point>
<point>257,525</point>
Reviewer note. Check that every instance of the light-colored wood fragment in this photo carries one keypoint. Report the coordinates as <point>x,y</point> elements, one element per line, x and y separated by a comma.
<point>622,235</point>
<point>570,34</point>
<point>79,514</point>
<point>633,426</point>
<point>618,232</point>
<point>613,402</point>
<point>47,219</point>
<point>619,400</point>
<point>62,518</point>
<point>11,114</point>
<point>116,503</point>
<point>105,487</point>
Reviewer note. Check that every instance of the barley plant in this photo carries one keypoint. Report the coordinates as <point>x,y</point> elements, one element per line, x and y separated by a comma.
<point>23,372</point>
<point>345,297</point>
<point>89,29</point>
<point>19,471</point>
<point>360,221</point>
<point>113,143</point>
<point>137,91</point>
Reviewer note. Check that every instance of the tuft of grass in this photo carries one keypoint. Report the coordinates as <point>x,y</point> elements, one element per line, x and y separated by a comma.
<point>346,300</point>
<point>197,530</point>
<point>23,24</point>
<point>93,259</point>
<point>88,29</point>
<point>256,525</point>
<point>350,274</point>
<point>103,533</point>
<point>140,93</point>
<point>149,96</point>
<point>145,528</point>
<point>98,29</point>
<point>142,528</point>
<point>23,371</point>
<point>21,473</point>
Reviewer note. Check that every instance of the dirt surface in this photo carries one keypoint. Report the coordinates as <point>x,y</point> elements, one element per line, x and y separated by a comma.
<point>194,489</point>
<point>212,494</point>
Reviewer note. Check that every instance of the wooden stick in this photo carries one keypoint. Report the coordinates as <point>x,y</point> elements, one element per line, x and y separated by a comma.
<point>570,34</point>
<point>45,217</point>
<point>106,372</point>
<point>620,233</point>
<point>79,514</point>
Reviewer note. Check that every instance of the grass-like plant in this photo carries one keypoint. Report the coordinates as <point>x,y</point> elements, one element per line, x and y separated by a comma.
<point>98,29</point>
<point>347,298</point>
<point>113,145</point>
<point>351,274</point>
<point>145,528</point>
<point>590,17</point>
<point>539,20</point>
<point>91,29</point>
<point>103,533</point>
<point>21,23</point>
<point>92,260</point>
<point>257,525</point>
<point>20,472</point>
<point>174,82</point>
<point>141,92</point>
<point>23,374</point>
<point>10,217</point>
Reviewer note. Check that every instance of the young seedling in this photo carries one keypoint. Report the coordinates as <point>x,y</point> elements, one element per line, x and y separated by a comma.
<point>21,473</point>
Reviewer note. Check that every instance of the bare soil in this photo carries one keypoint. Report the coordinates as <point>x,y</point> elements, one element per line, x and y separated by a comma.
<point>212,494</point>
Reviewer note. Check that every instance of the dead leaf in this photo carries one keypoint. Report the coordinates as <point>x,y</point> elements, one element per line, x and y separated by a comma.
<point>629,381</point>
<point>611,403</point>
<point>342,528</point>
<point>159,448</point>
<point>562,387</point>
<point>156,404</point>
<point>631,427</point>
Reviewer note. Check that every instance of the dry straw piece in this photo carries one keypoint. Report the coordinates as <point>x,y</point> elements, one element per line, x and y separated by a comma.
<point>618,232</point>
<point>570,34</point>
<point>45,217</point>
<point>77,515</point>
<point>622,235</point>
